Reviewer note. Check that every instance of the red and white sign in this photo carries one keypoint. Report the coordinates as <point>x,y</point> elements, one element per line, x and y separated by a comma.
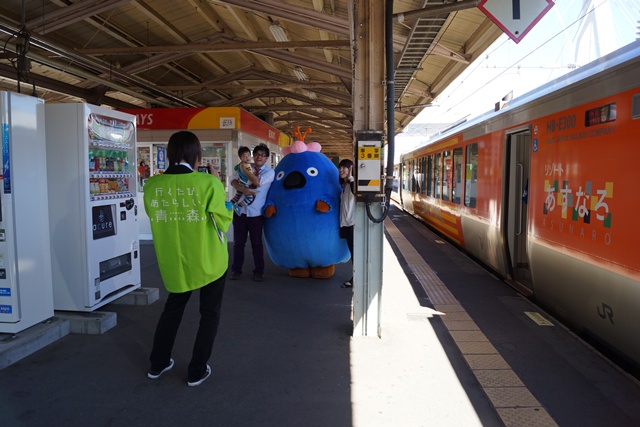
<point>515,17</point>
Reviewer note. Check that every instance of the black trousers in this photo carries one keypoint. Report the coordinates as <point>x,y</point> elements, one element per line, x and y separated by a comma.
<point>167,329</point>
<point>251,225</point>
<point>347,233</point>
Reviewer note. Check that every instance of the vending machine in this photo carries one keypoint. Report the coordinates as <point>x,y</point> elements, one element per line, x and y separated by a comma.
<point>93,208</point>
<point>26,293</point>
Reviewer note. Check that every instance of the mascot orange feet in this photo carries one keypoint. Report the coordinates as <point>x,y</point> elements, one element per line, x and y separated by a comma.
<point>315,272</point>
<point>300,272</point>
<point>323,272</point>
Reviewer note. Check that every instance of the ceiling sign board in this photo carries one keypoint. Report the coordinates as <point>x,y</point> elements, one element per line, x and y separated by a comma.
<point>515,17</point>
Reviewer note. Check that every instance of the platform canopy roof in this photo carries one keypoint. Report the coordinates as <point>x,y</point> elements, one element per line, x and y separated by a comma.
<point>289,62</point>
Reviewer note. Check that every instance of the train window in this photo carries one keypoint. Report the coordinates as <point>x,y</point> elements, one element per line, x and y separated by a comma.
<point>456,182</point>
<point>405,176</point>
<point>430,176</point>
<point>471,176</point>
<point>396,178</point>
<point>437,168</point>
<point>446,178</point>
<point>418,176</point>
<point>412,176</point>
<point>635,107</point>
<point>423,176</point>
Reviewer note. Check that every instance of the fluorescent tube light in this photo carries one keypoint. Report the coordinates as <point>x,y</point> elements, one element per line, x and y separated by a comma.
<point>300,74</point>
<point>278,32</point>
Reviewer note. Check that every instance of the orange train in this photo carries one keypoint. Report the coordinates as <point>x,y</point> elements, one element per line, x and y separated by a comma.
<point>544,193</point>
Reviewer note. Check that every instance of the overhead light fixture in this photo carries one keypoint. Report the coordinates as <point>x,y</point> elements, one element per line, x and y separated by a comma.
<point>278,32</point>
<point>300,74</point>
<point>312,95</point>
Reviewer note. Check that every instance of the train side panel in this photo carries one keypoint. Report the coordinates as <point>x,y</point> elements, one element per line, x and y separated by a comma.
<point>440,215</point>
<point>583,229</point>
<point>579,138</point>
<point>477,229</point>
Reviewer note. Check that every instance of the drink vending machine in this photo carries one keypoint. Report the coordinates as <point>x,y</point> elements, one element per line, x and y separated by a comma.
<point>26,293</point>
<point>93,205</point>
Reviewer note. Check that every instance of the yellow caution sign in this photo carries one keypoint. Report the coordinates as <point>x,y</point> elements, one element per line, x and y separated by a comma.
<point>369,153</point>
<point>372,183</point>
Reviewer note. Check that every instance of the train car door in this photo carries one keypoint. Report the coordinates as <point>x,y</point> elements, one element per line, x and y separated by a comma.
<point>517,194</point>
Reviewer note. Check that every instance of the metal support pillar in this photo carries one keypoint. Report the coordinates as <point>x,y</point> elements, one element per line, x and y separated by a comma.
<point>369,115</point>
<point>367,264</point>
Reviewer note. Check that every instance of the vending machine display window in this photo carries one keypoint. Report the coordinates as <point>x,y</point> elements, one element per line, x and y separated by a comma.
<point>110,141</point>
<point>103,221</point>
<point>111,130</point>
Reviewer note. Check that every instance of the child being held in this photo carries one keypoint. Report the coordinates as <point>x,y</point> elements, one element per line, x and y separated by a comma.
<point>246,178</point>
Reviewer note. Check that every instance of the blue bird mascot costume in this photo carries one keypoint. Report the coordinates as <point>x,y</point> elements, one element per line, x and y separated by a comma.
<point>301,229</point>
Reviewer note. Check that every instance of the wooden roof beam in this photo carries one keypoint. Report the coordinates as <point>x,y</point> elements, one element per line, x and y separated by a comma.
<point>297,14</point>
<point>70,14</point>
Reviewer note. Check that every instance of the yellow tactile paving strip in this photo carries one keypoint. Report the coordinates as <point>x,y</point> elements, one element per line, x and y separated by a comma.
<point>513,402</point>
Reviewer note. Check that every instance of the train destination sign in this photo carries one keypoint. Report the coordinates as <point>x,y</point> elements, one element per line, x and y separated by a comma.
<point>515,17</point>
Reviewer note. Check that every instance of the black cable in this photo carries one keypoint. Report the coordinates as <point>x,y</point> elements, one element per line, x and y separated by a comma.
<point>386,199</point>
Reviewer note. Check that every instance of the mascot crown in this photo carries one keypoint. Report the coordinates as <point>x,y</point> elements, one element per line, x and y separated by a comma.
<point>299,146</point>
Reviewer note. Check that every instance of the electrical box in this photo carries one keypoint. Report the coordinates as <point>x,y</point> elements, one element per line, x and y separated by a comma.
<point>368,165</point>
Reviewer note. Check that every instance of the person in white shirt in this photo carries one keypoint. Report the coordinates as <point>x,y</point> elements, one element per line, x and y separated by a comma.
<point>248,220</point>
<point>347,209</point>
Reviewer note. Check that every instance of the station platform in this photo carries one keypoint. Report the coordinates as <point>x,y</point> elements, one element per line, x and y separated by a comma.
<point>457,349</point>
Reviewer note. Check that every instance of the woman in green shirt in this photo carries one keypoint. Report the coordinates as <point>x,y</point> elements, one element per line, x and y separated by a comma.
<point>188,217</point>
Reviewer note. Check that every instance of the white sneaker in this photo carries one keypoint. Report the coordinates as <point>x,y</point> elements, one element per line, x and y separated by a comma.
<point>201,380</point>
<point>155,374</point>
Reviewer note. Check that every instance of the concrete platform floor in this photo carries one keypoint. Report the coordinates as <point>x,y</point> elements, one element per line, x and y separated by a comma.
<point>284,356</point>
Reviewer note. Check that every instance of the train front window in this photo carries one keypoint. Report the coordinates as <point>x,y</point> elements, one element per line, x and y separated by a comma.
<point>456,182</point>
<point>471,176</point>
